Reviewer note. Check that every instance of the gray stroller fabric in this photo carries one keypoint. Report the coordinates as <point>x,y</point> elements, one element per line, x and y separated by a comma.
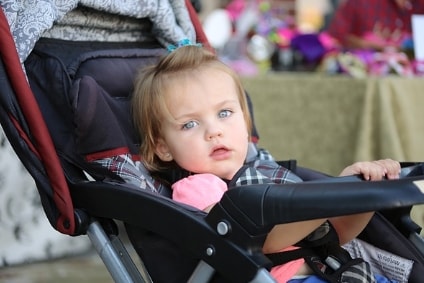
<point>29,20</point>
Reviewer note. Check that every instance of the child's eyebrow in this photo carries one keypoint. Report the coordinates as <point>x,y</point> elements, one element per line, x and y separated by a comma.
<point>229,101</point>
<point>194,113</point>
<point>184,116</point>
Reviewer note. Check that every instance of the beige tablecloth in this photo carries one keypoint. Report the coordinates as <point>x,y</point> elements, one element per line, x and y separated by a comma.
<point>328,122</point>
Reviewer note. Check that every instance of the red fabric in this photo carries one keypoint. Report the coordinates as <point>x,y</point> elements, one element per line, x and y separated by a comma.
<point>107,153</point>
<point>200,34</point>
<point>43,143</point>
<point>359,17</point>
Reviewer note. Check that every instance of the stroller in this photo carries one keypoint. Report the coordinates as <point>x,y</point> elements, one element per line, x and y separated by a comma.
<point>54,112</point>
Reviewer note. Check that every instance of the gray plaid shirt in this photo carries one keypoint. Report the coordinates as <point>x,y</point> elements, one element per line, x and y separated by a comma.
<point>260,168</point>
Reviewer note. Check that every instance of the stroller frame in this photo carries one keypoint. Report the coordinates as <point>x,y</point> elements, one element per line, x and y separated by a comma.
<point>234,230</point>
<point>114,255</point>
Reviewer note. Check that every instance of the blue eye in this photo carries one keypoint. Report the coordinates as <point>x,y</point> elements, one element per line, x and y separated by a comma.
<point>224,113</point>
<point>189,125</point>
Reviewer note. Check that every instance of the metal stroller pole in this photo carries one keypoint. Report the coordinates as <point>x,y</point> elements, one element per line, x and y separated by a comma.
<point>114,255</point>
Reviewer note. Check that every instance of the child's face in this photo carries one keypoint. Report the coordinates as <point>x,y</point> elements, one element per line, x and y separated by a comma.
<point>209,132</point>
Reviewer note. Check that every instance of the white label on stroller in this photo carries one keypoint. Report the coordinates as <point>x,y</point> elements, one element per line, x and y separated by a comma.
<point>382,262</point>
<point>420,185</point>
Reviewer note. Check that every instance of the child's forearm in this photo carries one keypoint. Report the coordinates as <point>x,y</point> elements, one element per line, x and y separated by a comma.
<point>349,227</point>
<point>285,235</point>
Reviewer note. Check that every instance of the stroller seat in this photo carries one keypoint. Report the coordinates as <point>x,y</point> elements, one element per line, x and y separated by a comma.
<point>80,92</point>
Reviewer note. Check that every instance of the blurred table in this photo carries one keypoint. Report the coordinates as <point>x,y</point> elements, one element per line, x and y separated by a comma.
<point>328,122</point>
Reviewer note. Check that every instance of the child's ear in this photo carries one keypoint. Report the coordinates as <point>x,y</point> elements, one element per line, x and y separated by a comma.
<point>162,151</point>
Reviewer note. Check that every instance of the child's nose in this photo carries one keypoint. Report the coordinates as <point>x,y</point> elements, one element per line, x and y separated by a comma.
<point>213,132</point>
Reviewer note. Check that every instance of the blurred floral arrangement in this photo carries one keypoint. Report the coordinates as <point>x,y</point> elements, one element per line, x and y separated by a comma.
<point>266,36</point>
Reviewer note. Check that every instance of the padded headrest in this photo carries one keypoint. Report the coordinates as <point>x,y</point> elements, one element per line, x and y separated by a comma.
<point>100,98</point>
<point>103,125</point>
<point>114,70</point>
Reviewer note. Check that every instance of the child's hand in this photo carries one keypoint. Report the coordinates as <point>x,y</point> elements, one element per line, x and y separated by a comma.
<point>374,170</point>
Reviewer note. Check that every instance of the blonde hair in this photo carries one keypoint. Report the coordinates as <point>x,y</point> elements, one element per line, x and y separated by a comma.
<point>149,107</point>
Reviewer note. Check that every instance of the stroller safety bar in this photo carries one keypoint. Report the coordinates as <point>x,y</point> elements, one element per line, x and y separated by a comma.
<point>264,206</point>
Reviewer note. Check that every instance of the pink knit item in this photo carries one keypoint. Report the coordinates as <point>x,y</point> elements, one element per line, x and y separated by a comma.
<point>200,190</point>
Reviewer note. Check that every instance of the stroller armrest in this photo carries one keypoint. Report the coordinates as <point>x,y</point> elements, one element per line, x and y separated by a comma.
<point>259,207</point>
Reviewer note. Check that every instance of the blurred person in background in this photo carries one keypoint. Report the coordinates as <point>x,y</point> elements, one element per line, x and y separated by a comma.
<point>374,24</point>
